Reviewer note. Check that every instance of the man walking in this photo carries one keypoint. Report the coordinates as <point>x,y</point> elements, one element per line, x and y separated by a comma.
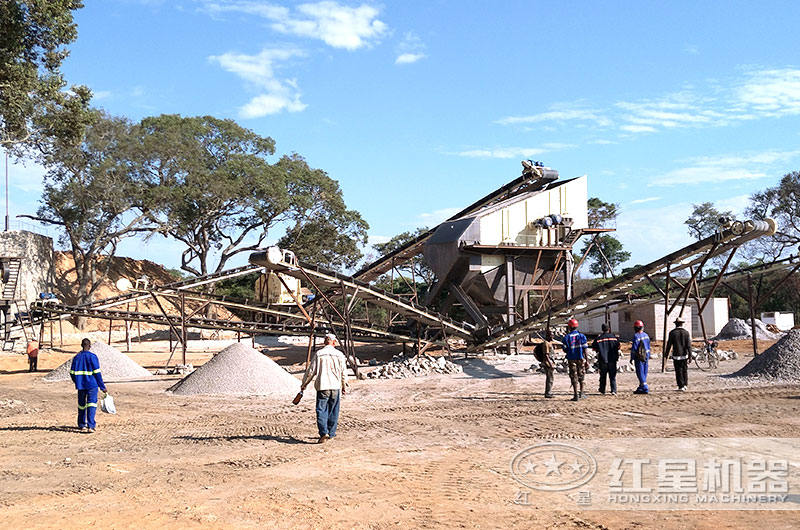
<point>640,355</point>
<point>85,373</point>
<point>681,346</point>
<point>607,347</point>
<point>544,354</point>
<point>328,370</point>
<point>575,345</point>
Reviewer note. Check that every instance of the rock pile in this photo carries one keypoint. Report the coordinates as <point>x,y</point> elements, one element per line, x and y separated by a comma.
<point>722,355</point>
<point>738,329</point>
<point>401,367</point>
<point>780,361</point>
<point>114,365</point>
<point>240,370</point>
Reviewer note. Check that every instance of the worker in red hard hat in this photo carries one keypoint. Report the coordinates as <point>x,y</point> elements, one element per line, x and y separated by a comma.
<point>640,355</point>
<point>575,346</point>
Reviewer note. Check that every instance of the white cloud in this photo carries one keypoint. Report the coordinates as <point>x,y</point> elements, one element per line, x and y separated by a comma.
<point>259,72</point>
<point>758,94</point>
<point>513,152</point>
<point>410,50</point>
<point>408,58</point>
<point>646,199</point>
<point>377,240</point>
<point>559,113</point>
<point>771,93</point>
<point>691,49</point>
<point>436,217</point>
<point>337,25</point>
<point>649,233</point>
<point>703,170</point>
<point>98,95</point>
<point>503,152</point>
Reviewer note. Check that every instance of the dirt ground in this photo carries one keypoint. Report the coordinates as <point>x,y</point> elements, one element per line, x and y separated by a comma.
<point>416,453</point>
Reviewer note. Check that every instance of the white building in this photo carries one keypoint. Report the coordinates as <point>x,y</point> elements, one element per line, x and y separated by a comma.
<point>783,321</point>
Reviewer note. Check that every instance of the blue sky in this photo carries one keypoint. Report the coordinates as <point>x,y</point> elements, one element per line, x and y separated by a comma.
<point>420,108</point>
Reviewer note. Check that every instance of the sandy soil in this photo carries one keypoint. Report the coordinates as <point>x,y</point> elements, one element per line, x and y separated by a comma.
<point>415,453</point>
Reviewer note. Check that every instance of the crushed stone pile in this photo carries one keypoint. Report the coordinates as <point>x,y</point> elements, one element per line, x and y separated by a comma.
<point>779,361</point>
<point>738,329</point>
<point>114,365</point>
<point>402,367</point>
<point>239,369</point>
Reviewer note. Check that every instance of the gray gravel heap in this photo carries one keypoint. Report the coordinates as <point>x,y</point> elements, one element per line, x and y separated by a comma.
<point>114,366</point>
<point>779,361</point>
<point>240,370</point>
<point>738,329</point>
<point>417,366</point>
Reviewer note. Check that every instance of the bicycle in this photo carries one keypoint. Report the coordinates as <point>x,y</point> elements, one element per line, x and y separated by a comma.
<point>708,356</point>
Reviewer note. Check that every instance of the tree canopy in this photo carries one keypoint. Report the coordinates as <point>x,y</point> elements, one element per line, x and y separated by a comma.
<point>420,268</point>
<point>782,203</point>
<point>704,220</point>
<point>606,253</point>
<point>219,195</point>
<point>33,39</point>
<point>601,214</point>
<point>90,193</point>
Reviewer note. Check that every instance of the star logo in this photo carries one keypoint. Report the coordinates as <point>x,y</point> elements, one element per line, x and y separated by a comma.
<point>553,466</point>
<point>529,467</point>
<point>577,467</point>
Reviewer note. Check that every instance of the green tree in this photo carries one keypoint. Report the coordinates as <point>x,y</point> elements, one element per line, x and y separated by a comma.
<point>601,214</point>
<point>33,39</point>
<point>323,231</point>
<point>781,203</point>
<point>417,264</point>
<point>606,255</point>
<point>704,220</point>
<point>91,194</point>
<point>217,194</point>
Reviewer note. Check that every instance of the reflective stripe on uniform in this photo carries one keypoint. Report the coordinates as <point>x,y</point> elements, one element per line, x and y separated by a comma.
<point>84,372</point>
<point>87,405</point>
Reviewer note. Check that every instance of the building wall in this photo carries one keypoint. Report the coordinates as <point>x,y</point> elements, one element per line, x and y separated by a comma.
<point>623,316</point>
<point>715,316</point>
<point>37,269</point>
<point>784,321</point>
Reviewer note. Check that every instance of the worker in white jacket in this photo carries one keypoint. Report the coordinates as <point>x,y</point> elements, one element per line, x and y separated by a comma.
<point>328,370</point>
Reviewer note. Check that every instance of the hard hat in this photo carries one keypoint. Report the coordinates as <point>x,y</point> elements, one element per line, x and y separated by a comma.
<point>330,336</point>
<point>572,323</point>
<point>638,324</point>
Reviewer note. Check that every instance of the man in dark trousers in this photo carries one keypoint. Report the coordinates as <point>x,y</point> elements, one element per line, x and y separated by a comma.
<point>640,355</point>
<point>607,347</point>
<point>85,373</point>
<point>544,354</point>
<point>680,345</point>
<point>575,345</point>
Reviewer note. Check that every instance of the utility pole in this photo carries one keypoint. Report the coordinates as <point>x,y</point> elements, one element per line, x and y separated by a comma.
<point>6,189</point>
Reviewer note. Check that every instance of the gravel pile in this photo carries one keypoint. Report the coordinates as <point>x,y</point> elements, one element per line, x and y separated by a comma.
<point>114,365</point>
<point>241,370</point>
<point>779,361</point>
<point>738,329</point>
<point>402,367</point>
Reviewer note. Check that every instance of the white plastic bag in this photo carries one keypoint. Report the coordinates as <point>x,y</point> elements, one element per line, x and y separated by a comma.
<point>107,404</point>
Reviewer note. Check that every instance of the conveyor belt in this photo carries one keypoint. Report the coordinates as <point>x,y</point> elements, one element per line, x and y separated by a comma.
<point>596,298</point>
<point>329,280</point>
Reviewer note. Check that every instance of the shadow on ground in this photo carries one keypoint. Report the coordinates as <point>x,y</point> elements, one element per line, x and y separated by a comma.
<point>480,369</point>
<point>291,440</point>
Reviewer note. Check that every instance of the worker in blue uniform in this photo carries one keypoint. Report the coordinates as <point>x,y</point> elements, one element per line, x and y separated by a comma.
<point>640,355</point>
<point>575,346</point>
<point>85,373</point>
